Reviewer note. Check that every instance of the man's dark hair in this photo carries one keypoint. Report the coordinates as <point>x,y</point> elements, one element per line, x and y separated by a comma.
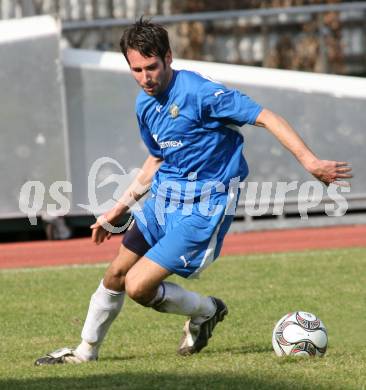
<point>148,38</point>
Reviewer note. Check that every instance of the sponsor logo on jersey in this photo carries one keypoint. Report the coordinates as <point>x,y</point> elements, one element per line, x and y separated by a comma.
<point>170,144</point>
<point>167,144</point>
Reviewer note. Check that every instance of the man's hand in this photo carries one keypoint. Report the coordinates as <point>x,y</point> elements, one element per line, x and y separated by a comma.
<point>335,172</point>
<point>326,171</point>
<point>100,229</point>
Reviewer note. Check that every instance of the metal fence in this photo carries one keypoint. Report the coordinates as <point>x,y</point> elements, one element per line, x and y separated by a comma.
<point>79,108</point>
<point>328,38</point>
<point>83,9</point>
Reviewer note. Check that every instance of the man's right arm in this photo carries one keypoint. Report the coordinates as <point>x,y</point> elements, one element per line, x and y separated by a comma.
<point>134,192</point>
<point>139,186</point>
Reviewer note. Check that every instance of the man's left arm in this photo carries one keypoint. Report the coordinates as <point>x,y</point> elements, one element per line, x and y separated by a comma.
<point>324,170</point>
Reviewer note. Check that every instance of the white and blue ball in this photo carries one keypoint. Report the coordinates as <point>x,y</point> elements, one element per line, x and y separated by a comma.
<point>300,334</point>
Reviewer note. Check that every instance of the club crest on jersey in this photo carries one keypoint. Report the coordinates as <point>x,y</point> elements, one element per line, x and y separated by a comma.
<point>174,110</point>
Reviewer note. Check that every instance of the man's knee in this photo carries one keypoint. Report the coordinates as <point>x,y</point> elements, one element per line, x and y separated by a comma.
<point>114,278</point>
<point>143,280</point>
<point>138,291</point>
<point>115,275</point>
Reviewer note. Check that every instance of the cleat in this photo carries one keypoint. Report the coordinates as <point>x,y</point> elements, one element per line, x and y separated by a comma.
<point>61,356</point>
<point>195,337</point>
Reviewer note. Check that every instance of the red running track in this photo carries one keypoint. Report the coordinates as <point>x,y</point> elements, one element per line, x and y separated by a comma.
<point>83,251</point>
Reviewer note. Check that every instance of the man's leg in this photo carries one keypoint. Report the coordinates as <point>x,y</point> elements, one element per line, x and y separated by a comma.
<point>105,304</point>
<point>145,284</point>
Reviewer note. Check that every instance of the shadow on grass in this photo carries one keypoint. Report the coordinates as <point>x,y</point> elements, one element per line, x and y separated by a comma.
<point>243,349</point>
<point>119,358</point>
<point>238,350</point>
<point>154,381</point>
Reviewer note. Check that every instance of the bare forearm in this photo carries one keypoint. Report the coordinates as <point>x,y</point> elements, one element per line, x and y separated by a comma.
<point>282,130</point>
<point>101,229</point>
<point>139,186</point>
<point>326,171</point>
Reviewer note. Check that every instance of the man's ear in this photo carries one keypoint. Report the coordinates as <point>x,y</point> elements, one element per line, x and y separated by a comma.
<point>168,57</point>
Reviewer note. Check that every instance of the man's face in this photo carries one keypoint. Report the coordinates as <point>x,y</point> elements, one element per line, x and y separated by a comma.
<point>149,72</point>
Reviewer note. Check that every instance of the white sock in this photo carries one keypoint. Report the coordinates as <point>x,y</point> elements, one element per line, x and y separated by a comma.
<point>104,307</point>
<point>171,298</point>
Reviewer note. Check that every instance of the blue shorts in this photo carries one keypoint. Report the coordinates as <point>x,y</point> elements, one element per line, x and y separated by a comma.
<point>185,239</point>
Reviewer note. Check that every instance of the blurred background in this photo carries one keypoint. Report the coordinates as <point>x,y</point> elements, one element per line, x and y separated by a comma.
<point>67,99</point>
<point>270,33</point>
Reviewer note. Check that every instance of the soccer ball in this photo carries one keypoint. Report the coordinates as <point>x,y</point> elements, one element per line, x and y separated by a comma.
<point>299,334</point>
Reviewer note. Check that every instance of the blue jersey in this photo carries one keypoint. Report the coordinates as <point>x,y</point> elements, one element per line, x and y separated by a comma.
<point>193,127</point>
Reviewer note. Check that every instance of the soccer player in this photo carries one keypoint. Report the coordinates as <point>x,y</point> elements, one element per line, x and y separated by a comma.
<point>189,125</point>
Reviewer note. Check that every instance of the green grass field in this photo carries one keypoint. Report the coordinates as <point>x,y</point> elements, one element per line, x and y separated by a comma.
<point>44,309</point>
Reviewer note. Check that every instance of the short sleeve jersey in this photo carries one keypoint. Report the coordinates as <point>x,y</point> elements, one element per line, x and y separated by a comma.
<point>194,127</point>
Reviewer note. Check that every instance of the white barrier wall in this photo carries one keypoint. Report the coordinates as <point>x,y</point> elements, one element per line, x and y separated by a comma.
<point>33,137</point>
<point>328,111</point>
<point>101,119</point>
<point>55,124</point>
